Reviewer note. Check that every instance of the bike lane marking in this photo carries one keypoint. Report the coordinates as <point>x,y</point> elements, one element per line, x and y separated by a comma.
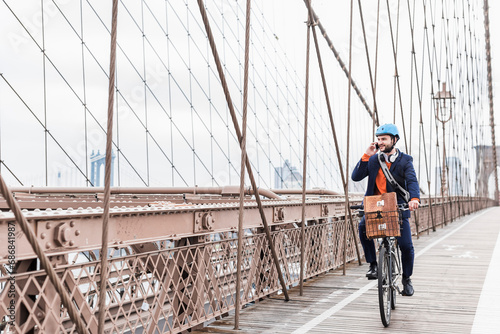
<point>346,301</point>
<point>487,318</point>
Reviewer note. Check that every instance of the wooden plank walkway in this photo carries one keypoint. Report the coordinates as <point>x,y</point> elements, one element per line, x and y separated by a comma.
<point>451,265</point>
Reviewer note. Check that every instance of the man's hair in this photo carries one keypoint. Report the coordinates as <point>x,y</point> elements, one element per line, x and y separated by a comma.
<point>393,138</point>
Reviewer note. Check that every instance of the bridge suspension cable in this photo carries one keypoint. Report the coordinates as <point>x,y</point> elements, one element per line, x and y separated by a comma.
<point>165,92</point>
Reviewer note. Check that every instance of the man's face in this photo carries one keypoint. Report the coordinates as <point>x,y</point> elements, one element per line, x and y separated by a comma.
<point>385,143</point>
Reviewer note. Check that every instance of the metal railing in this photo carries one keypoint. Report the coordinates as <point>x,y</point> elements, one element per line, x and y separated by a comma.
<point>173,266</point>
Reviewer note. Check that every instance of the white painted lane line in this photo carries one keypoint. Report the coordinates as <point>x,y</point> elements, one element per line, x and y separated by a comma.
<point>334,309</point>
<point>487,318</point>
<point>423,251</point>
<point>337,307</point>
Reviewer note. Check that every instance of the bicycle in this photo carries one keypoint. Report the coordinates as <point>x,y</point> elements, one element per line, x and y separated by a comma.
<point>389,261</point>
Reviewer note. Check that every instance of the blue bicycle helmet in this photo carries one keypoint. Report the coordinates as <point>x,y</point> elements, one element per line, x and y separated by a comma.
<point>388,129</point>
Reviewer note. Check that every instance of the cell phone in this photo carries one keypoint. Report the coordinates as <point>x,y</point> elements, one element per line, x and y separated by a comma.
<point>376,146</point>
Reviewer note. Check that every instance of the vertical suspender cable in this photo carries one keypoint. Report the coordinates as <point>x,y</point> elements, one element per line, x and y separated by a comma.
<point>376,61</point>
<point>191,106</point>
<point>147,133</point>
<point>419,89</point>
<point>107,172</point>
<point>330,115</point>
<point>167,33</point>
<point>242,173</point>
<point>490,94</point>
<point>1,161</point>
<point>346,184</point>
<point>394,51</point>
<point>412,65</point>
<point>238,134</point>
<point>45,99</point>
<point>431,62</point>
<point>118,150</point>
<point>84,86</point>
<point>375,111</point>
<point>304,160</point>
<point>341,63</point>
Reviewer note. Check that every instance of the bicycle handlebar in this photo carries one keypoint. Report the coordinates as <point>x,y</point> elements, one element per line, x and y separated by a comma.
<point>403,207</point>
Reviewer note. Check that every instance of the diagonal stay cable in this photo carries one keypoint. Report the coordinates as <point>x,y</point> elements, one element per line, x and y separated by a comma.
<point>295,78</point>
<point>150,90</point>
<point>69,86</point>
<point>66,300</point>
<point>264,100</point>
<point>143,79</point>
<point>150,135</point>
<point>330,114</point>
<point>247,161</point>
<point>122,96</point>
<point>175,81</point>
<point>11,172</point>
<point>45,129</point>
<point>258,92</point>
<point>199,84</point>
<point>341,63</point>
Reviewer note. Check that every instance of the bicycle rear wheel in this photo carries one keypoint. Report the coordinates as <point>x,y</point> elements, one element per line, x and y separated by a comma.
<point>384,286</point>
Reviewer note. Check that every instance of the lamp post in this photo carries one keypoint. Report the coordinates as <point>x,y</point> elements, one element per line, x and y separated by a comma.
<point>443,114</point>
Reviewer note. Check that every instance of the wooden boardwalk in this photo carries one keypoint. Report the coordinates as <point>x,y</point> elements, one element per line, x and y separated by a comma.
<point>456,269</point>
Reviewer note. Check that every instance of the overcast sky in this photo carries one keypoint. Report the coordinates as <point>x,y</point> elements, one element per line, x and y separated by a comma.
<point>185,87</point>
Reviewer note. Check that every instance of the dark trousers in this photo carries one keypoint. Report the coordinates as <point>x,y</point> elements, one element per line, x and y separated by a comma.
<point>404,242</point>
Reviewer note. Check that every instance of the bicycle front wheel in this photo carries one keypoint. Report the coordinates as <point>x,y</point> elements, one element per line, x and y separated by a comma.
<point>384,286</point>
<point>396,273</point>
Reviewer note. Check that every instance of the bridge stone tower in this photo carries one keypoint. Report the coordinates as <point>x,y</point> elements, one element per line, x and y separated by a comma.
<point>287,177</point>
<point>484,167</point>
<point>96,161</point>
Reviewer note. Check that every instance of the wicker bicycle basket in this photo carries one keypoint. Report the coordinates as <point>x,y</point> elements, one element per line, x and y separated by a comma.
<point>382,216</point>
<point>382,224</point>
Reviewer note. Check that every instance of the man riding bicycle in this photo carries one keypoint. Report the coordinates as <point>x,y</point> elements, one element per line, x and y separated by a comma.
<point>400,166</point>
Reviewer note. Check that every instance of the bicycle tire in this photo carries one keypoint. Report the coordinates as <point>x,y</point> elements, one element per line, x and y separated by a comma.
<point>384,289</point>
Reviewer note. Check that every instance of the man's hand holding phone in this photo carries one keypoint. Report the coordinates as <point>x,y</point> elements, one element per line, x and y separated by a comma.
<point>372,149</point>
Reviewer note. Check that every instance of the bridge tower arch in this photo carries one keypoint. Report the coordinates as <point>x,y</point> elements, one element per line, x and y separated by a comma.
<point>485,166</point>
<point>97,160</point>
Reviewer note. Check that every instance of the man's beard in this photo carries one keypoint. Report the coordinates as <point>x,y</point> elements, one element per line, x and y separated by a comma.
<point>388,148</point>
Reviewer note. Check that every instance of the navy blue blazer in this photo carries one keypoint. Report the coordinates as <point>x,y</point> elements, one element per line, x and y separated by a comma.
<point>402,170</point>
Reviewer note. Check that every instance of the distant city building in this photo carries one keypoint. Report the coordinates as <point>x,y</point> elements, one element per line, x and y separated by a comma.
<point>98,160</point>
<point>287,177</point>
<point>455,178</point>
